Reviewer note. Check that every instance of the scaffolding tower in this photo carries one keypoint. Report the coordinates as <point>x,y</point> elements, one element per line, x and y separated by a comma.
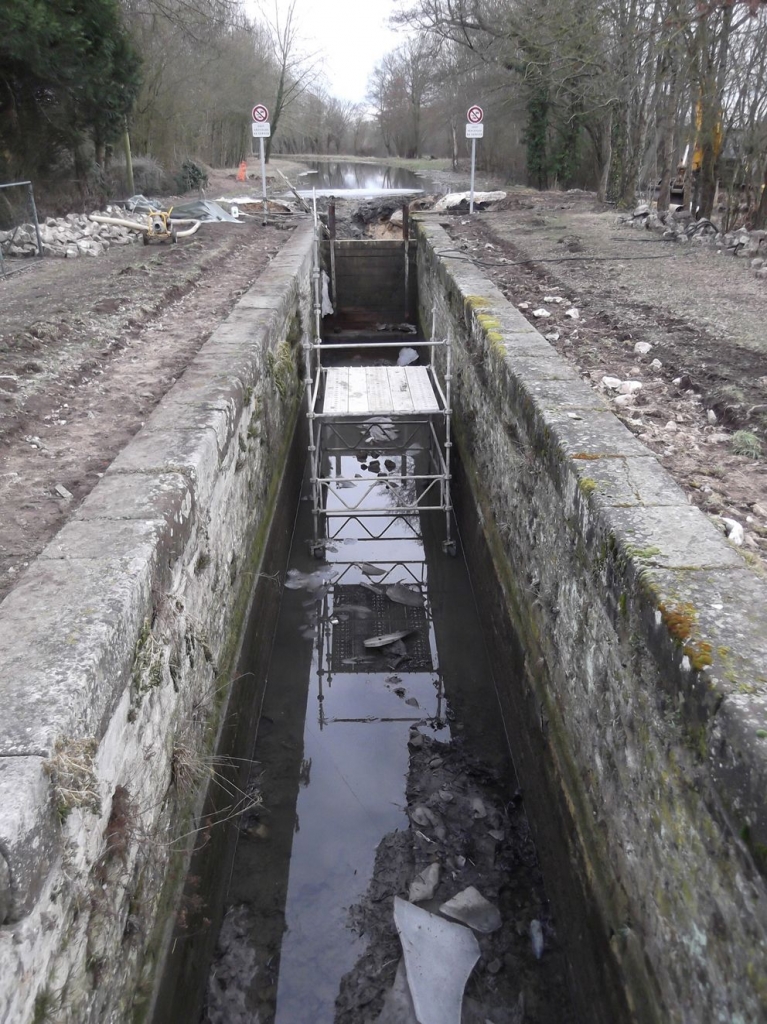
<point>392,416</point>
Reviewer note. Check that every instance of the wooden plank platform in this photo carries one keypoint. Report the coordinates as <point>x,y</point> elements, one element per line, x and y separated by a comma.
<point>363,390</point>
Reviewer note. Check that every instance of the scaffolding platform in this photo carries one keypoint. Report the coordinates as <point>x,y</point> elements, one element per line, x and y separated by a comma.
<point>379,436</point>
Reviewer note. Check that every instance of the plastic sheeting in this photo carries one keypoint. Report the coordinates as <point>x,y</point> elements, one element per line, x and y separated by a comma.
<point>439,957</point>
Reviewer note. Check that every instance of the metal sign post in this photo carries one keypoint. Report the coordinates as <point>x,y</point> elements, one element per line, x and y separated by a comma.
<point>261,130</point>
<point>474,130</point>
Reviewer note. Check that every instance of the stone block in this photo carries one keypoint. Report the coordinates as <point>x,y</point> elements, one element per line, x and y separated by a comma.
<point>29,834</point>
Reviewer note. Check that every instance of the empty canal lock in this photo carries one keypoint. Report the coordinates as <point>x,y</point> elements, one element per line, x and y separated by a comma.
<point>385,871</point>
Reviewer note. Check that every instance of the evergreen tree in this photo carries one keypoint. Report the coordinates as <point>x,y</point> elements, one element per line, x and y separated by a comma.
<point>68,76</point>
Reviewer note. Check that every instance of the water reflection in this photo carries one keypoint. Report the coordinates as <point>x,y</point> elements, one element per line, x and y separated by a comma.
<point>334,176</point>
<point>333,753</point>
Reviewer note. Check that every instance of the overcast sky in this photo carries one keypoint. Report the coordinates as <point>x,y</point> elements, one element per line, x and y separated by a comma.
<point>353,34</point>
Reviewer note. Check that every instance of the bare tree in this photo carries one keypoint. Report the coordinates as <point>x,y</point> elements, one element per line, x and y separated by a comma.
<point>297,70</point>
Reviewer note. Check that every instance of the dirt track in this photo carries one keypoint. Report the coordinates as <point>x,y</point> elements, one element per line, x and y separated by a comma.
<point>702,313</point>
<point>88,347</point>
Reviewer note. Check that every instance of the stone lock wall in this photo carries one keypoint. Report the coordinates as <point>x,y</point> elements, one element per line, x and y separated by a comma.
<point>636,693</point>
<point>117,650</point>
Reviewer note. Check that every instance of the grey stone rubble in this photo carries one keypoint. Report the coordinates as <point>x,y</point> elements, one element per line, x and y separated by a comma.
<point>680,226</point>
<point>71,236</point>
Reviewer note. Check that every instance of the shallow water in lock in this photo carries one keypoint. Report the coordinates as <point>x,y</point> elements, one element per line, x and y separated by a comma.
<point>332,766</point>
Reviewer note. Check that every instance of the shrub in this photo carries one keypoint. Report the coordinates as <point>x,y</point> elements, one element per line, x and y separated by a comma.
<point>191,176</point>
<point>746,443</point>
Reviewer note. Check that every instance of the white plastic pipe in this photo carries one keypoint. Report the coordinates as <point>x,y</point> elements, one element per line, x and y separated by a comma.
<point>132,224</point>
<point>189,231</point>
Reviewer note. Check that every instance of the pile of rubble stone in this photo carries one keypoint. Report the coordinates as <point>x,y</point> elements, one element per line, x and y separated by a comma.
<point>680,226</point>
<point>70,236</point>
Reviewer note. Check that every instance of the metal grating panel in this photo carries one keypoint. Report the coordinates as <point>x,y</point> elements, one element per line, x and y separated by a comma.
<point>348,652</point>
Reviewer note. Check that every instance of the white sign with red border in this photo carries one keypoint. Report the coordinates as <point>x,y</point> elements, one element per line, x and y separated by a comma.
<point>261,114</point>
<point>475,114</point>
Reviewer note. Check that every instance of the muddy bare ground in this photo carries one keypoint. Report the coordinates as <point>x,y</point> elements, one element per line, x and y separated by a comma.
<point>461,818</point>
<point>88,347</point>
<point>702,313</point>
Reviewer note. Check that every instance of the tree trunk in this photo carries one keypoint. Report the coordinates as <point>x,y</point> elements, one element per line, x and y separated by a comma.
<point>761,213</point>
<point>606,159</point>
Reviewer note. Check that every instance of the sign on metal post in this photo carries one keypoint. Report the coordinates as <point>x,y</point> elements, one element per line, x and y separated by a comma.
<point>261,130</point>
<point>474,130</point>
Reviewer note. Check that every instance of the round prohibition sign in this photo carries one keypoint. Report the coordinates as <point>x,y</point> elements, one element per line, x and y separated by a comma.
<point>260,113</point>
<point>475,114</point>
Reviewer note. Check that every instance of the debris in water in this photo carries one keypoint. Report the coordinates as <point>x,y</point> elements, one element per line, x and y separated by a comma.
<point>354,609</point>
<point>371,570</point>
<point>536,937</point>
<point>439,957</point>
<point>384,639</point>
<point>401,328</point>
<point>381,432</point>
<point>424,885</point>
<point>406,356</point>
<point>297,580</point>
<point>375,588</point>
<point>471,908</point>
<point>412,702</point>
<point>401,594</point>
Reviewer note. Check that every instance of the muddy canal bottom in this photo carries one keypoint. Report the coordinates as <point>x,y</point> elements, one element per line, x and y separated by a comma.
<point>379,772</point>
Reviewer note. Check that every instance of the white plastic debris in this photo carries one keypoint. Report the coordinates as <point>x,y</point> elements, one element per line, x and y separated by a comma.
<point>735,533</point>
<point>439,957</point>
<point>671,426</point>
<point>406,356</point>
<point>553,298</point>
<point>656,364</point>
<point>711,416</point>
<point>573,313</point>
<point>642,348</point>
<point>630,387</point>
<point>327,305</point>
<point>541,314</point>
<point>622,401</point>
<point>471,908</point>
<point>552,336</point>
<point>454,199</point>
<point>613,383</point>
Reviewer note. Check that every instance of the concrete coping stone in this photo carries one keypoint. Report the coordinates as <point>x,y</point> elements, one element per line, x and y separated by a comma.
<point>195,453</point>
